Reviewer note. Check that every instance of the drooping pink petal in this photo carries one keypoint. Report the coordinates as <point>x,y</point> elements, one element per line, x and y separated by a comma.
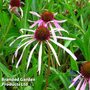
<point>89,84</point>
<point>30,55</point>
<point>23,52</point>
<point>59,30</point>
<point>61,21</point>
<point>64,48</point>
<point>30,21</point>
<point>54,52</point>
<point>35,23</point>
<point>74,80</point>
<point>28,35</point>
<point>65,38</point>
<point>55,14</point>
<point>53,33</point>
<point>78,86</point>
<point>26,30</point>
<point>34,13</point>
<point>39,58</point>
<point>13,59</point>
<point>21,12</point>
<point>56,25</point>
<point>41,23</point>
<point>20,46</point>
<point>83,85</point>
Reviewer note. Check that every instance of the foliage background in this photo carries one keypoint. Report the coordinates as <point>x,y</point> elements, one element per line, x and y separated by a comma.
<point>77,14</point>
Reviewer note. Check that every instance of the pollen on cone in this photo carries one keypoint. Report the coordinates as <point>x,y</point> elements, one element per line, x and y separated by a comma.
<point>42,33</point>
<point>47,16</point>
<point>85,69</point>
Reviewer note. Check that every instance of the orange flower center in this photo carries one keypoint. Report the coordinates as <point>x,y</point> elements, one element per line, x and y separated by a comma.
<point>42,33</point>
<point>47,16</point>
<point>85,69</point>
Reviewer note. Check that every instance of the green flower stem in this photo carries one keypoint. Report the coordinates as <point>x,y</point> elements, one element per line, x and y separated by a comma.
<point>7,30</point>
<point>48,69</point>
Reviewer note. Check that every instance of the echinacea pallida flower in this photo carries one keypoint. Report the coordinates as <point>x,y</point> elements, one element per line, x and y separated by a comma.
<point>40,35</point>
<point>47,19</point>
<point>83,78</point>
<point>15,6</point>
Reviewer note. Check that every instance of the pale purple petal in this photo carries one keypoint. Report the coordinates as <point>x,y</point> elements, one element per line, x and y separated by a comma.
<point>34,13</point>
<point>13,59</point>
<point>65,38</point>
<point>26,30</point>
<point>53,33</point>
<point>21,45</point>
<point>16,52</point>
<point>74,80</point>
<point>61,21</point>
<point>55,14</point>
<point>83,85</point>
<point>30,21</point>
<point>25,39</point>
<point>9,7</point>
<point>39,58</point>
<point>56,25</point>
<point>35,23</point>
<point>66,49</point>
<point>23,53</point>
<point>55,54</point>
<point>89,84</point>
<point>21,12</point>
<point>41,23</point>
<point>78,86</point>
<point>60,29</point>
<point>30,55</point>
<point>46,24</point>
<point>19,38</point>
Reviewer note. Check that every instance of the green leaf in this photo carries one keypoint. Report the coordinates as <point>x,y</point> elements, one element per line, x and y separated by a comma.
<point>38,82</point>
<point>1,87</point>
<point>74,65</point>
<point>28,88</point>
<point>1,1</point>
<point>5,70</point>
<point>62,77</point>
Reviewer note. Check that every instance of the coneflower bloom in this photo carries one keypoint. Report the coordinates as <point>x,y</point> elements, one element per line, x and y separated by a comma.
<point>48,19</point>
<point>15,6</point>
<point>83,78</point>
<point>40,35</point>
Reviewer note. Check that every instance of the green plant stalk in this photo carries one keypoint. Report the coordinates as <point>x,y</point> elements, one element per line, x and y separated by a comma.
<point>48,69</point>
<point>26,14</point>
<point>7,30</point>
